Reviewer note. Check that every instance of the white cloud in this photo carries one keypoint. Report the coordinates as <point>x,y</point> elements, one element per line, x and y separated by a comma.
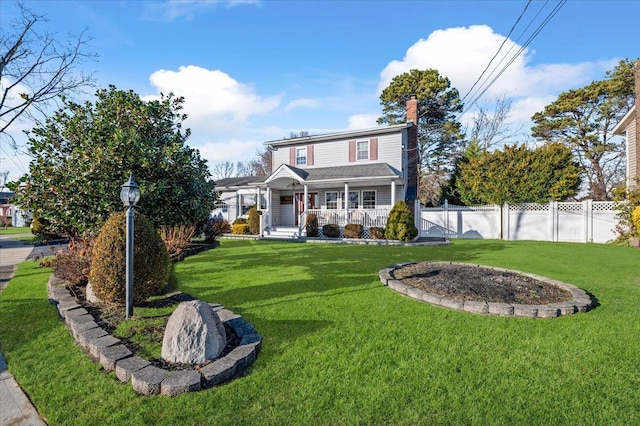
<point>214,101</point>
<point>362,121</point>
<point>462,53</point>
<point>232,150</point>
<point>170,10</point>
<point>302,102</point>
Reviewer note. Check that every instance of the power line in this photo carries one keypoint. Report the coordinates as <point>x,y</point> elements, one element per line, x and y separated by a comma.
<point>498,51</point>
<point>517,54</point>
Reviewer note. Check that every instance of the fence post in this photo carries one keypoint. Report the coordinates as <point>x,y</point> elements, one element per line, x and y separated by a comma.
<point>417,216</point>
<point>445,218</point>
<point>587,211</point>
<point>553,223</point>
<point>505,222</point>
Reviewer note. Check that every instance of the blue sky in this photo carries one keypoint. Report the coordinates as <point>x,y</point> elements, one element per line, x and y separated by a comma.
<point>253,71</point>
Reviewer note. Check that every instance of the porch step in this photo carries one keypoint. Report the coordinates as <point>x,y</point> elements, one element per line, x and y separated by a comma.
<point>282,232</point>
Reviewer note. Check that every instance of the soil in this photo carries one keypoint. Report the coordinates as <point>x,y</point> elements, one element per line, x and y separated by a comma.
<point>476,283</point>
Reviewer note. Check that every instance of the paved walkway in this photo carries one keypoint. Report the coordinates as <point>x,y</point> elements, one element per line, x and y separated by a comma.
<point>15,406</point>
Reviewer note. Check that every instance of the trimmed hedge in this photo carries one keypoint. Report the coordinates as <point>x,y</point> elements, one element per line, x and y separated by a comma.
<point>254,220</point>
<point>331,230</point>
<point>376,233</point>
<point>400,225</point>
<point>353,230</point>
<point>241,229</point>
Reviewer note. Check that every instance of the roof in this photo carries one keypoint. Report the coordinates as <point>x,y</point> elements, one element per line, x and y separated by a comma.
<point>375,170</point>
<point>239,181</point>
<point>621,127</point>
<point>341,135</point>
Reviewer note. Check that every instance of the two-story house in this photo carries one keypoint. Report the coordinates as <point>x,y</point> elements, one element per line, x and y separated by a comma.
<point>346,177</point>
<point>630,127</point>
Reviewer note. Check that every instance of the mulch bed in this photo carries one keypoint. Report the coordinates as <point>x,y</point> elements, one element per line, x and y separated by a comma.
<point>477,283</point>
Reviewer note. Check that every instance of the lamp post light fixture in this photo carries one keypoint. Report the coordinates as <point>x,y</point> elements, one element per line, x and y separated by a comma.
<point>130,195</point>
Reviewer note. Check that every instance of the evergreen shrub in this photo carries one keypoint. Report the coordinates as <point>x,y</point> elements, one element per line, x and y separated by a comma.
<point>152,265</point>
<point>240,229</point>
<point>353,230</point>
<point>312,225</point>
<point>331,230</point>
<point>400,225</point>
<point>254,220</point>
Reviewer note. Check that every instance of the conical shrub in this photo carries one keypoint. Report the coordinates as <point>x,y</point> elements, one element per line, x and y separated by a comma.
<point>400,225</point>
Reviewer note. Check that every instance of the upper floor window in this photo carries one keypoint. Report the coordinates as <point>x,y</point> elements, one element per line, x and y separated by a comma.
<point>362,150</point>
<point>301,156</point>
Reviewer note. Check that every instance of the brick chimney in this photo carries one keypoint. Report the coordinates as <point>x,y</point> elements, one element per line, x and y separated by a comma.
<point>412,151</point>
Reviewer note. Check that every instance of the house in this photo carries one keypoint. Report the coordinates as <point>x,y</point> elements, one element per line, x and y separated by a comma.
<point>346,177</point>
<point>10,214</point>
<point>630,126</point>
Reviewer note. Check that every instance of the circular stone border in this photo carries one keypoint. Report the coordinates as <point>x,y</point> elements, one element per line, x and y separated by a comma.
<point>581,301</point>
<point>146,379</point>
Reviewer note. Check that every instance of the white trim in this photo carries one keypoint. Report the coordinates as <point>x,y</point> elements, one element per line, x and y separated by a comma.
<point>621,127</point>
<point>306,157</point>
<point>368,142</point>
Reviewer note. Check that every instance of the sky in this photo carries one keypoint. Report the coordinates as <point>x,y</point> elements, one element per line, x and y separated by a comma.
<point>253,71</point>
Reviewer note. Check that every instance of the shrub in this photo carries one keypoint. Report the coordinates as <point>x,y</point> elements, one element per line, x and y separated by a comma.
<point>376,233</point>
<point>627,200</point>
<point>214,228</point>
<point>41,227</point>
<point>254,220</point>
<point>177,238</point>
<point>331,230</point>
<point>635,219</point>
<point>152,266</point>
<point>241,229</point>
<point>74,265</point>
<point>312,225</point>
<point>353,230</point>
<point>400,225</point>
<point>240,221</point>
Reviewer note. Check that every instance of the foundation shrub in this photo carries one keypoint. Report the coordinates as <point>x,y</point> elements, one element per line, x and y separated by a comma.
<point>376,233</point>
<point>400,225</point>
<point>635,219</point>
<point>152,265</point>
<point>312,225</point>
<point>353,230</point>
<point>254,220</point>
<point>331,230</point>
<point>214,228</point>
<point>241,229</point>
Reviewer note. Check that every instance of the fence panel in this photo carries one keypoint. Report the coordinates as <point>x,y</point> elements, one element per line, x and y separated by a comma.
<point>587,221</point>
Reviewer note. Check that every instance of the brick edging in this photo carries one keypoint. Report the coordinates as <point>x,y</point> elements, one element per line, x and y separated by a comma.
<point>581,301</point>
<point>145,378</point>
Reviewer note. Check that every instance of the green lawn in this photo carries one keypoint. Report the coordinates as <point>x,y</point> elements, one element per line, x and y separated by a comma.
<point>341,349</point>
<point>15,230</point>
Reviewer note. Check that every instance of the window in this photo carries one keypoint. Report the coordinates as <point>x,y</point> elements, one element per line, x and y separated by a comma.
<point>369,199</point>
<point>301,156</point>
<point>362,150</point>
<point>354,199</point>
<point>331,199</point>
<point>246,202</point>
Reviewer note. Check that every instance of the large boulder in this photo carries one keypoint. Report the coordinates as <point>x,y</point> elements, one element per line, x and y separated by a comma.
<point>194,334</point>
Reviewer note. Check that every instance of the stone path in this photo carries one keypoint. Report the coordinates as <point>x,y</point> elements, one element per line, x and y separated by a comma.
<point>15,406</point>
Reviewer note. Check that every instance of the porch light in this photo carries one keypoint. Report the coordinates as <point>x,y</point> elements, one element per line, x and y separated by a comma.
<point>130,195</point>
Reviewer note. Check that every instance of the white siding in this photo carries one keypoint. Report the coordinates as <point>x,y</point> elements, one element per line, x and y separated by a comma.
<point>336,153</point>
<point>633,154</point>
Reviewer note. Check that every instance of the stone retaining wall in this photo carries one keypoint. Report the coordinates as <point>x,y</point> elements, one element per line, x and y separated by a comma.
<point>145,378</point>
<point>581,301</point>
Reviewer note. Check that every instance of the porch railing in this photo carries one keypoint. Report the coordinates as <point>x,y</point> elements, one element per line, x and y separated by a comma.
<point>365,217</point>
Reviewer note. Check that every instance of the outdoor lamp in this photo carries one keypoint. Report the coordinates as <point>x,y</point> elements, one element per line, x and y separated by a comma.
<point>130,195</point>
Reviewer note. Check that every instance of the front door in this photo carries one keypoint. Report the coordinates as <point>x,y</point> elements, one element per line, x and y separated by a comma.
<point>299,203</point>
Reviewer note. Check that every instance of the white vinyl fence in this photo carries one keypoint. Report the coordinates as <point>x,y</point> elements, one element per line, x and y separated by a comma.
<point>586,221</point>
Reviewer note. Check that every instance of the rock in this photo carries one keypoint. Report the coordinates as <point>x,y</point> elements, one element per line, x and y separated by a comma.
<point>90,295</point>
<point>194,334</point>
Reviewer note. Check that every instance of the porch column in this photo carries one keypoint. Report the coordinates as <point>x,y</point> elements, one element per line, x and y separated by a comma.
<point>269,207</point>
<point>346,203</point>
<point>306,197</point>
<point>258,199</point>
<point>393,193</point>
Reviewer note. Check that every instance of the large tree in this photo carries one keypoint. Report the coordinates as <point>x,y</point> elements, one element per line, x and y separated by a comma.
<point>84,152</point>
<point>584,118</point>
<point>440,140</point>
<point>36,67</point>
<point>516,174</point>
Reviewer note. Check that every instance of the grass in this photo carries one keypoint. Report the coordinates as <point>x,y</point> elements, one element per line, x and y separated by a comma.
<point>339,348</point>
<point>10,230</point>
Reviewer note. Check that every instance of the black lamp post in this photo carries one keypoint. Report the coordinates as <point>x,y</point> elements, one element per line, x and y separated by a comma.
<point>130,195</point>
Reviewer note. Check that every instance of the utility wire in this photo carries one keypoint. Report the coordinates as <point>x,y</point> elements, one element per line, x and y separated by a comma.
<point>524,46</point>
<point>498,51</point>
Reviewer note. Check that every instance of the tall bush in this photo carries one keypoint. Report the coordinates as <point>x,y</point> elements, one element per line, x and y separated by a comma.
<point>152,265</point>
<point>254,220</point>
<point>312,225</point>
<point>400,225</point>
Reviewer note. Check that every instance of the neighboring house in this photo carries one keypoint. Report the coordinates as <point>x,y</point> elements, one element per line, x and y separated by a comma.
<point>347,177</point>
<point>10,214</point>
<point>630,126</point>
